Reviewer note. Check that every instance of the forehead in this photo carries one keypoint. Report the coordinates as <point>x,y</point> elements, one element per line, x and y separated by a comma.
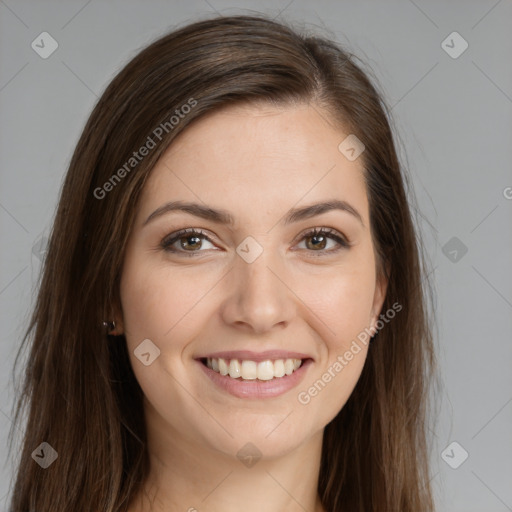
<point>258,158</point>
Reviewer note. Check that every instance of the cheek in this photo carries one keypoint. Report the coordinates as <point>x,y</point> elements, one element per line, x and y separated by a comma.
<point>342,310</point>
<point>343,301</point>
<point>150,299</point>
<point>161,302</point>
<point>158,304</point>
<point>142,304</point>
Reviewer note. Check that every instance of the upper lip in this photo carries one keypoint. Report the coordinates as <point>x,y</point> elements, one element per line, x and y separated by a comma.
<point>248,355</point>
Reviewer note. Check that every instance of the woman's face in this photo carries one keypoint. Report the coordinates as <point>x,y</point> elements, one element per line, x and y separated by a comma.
<point>259,288</point>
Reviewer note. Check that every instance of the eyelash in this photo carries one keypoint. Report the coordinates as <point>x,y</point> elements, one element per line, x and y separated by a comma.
<point>168,241</point>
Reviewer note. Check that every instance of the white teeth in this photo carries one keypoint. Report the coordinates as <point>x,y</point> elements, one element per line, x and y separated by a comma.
<point>279,368</point>
<point>235,370</point>
<point>265,370</point>
<point>251,370</point>
<point>288,366</point>
<point>223,367</point>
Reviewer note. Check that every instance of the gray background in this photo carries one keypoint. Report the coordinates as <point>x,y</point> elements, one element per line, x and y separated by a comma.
<point>452,114</point>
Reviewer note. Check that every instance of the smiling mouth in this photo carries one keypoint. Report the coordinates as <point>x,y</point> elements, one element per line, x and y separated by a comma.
<point>243,370</point>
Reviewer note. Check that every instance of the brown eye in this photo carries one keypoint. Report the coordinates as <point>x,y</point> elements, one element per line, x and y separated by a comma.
<point>317,240</point>
<point>190,241</point>
<point>195,244</point>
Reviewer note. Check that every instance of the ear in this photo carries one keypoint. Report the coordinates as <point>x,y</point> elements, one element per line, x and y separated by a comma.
<point>381,286</point>
<point>118,319</point>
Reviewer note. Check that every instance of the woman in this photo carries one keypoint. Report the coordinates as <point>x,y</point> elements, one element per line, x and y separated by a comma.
<point>232,314</point>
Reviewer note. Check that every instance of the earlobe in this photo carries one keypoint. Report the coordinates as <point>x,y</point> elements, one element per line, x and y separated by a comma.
<point>115,327</point>
<point>119,326</point>
<point>118,319</point>
<point>111,328</point>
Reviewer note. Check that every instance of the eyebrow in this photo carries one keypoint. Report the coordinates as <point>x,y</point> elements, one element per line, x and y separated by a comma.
<point>224,217</point>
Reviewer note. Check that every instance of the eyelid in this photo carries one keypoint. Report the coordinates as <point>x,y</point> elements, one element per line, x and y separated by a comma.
<point>342,241</point>
<point>331,233</point>
<point>176,235</point>
<point>321,230</point>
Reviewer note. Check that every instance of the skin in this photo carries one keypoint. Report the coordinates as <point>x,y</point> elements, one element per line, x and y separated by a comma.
<point>257,162</point>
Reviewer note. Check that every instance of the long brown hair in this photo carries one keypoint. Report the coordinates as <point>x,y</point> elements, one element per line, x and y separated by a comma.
<point>79,393</point>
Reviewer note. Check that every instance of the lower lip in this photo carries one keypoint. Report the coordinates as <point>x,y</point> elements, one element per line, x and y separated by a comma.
<point>257,388</point>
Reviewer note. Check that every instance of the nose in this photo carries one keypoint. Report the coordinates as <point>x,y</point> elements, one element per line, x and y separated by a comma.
<point>258,298</point>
